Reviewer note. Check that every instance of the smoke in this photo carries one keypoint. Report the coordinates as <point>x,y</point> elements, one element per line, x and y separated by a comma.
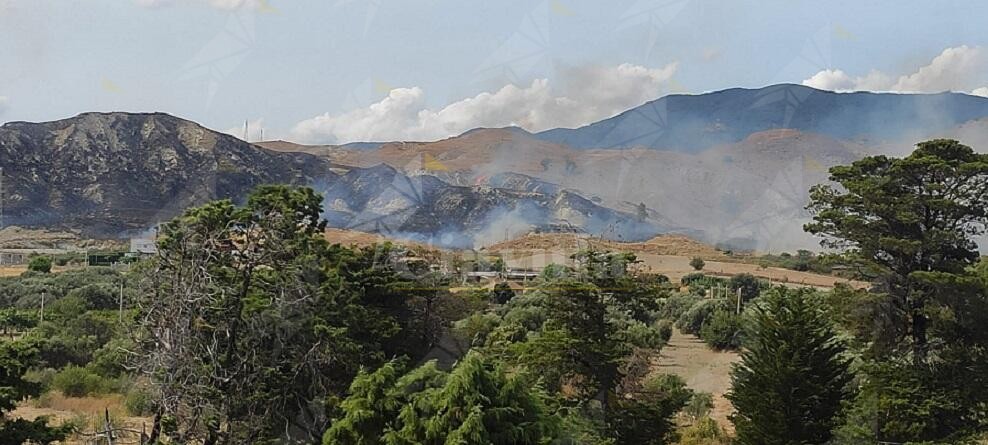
<point>508,223</point>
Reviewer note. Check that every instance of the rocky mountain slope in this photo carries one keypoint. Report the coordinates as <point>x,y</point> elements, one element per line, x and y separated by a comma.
<point>381,199</point>
<point>106,173</point>
<point>109,174</point>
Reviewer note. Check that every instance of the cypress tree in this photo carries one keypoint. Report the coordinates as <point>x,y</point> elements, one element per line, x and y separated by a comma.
<point>788,387</point>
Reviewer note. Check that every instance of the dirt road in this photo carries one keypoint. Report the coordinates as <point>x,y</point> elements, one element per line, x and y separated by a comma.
<point>703,369</point>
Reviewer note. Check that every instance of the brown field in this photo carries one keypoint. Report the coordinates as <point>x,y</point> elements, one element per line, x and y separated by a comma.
<point>17,270</point>
<point>81,411</point>
<point>675,266</point>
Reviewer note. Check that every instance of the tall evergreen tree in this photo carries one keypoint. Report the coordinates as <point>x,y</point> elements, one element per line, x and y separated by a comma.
<point>792,377</point>
<point>911,222</point>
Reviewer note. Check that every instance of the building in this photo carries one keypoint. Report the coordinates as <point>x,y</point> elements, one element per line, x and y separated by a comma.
<point>143,246</point>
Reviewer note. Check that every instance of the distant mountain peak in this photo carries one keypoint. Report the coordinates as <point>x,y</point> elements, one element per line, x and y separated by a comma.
<point>693,122</point>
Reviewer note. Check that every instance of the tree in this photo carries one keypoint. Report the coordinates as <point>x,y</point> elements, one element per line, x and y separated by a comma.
<point>644,415</point>
<point>910,223</point>
<point>905,217</point>
<point>792,377</point>
<point>477,403</point>
<point>15,359</point>
<point>40,264</point>
<point>749,286</point>
<point>697,263</point>
<point>250,321</point>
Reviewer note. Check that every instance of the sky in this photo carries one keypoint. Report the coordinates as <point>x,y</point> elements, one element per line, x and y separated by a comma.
<point>335,71</point>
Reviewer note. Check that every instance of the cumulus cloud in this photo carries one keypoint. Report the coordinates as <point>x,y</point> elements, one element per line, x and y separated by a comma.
<point>983,91</point>
<point>960,68</point>
<point>580,95</point>
<point>228,5</point>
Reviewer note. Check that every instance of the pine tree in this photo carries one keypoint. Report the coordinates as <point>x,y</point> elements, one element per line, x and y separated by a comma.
<point>788,387</point>
<point>476,403</point>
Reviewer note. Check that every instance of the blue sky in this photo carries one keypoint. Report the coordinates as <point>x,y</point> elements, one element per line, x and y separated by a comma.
<point>334,71</point>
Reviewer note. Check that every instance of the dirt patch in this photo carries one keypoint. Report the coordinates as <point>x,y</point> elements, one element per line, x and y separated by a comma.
<point>83,412</point>
<point>703,369</point>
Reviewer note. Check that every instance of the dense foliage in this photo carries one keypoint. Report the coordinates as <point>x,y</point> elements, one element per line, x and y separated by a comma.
<point>249,326</point>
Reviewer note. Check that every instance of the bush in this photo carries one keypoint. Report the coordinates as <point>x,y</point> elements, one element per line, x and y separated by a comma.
<point>691,278</point>
<point>704,432</point>
<point>723,331</point>
<point>675,306</point>
<point>692,321</point>
<point>643,336</point>
<point>138,402</point>
<point>97,296</point>
<point>749,285</point>
<point>40,264</point>
<point>699,406</point>
<point>665,330</point>
<point>76,381</point>
<point>697,263</point>
<point>502,293</point>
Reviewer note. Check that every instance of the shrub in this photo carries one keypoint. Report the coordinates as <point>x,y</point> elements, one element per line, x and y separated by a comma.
<point>723,331</point>
<point>76,381</point>
<point>697,263</point>
<point>138,402</point>
<point>749,285</point>
<point>692,321</point>
<point>40,264</point>
<point>704,432</point>
<point>699,406</point>
<point>665,330</point>
<point>674,307</point>
<point>643,336</point>
<point>502,293</point>
<point>96,296</point>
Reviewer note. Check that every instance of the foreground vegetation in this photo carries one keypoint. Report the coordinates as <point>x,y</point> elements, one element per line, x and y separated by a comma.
<point>249,327</point>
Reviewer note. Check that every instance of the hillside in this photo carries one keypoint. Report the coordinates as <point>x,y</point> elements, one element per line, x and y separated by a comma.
<point>382,199</point>
<point>105,173</point>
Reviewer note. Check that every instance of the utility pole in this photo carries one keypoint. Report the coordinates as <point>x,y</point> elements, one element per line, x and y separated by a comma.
<point>739,301</point>
<point>121,301</point>
<point>44,293</point>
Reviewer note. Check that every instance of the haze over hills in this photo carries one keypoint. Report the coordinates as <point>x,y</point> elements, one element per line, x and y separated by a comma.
<point>739,179</point>
<point>731,167</point>
<point>693,122</point>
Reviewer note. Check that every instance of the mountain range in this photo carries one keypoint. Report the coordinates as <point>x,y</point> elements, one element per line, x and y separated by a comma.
<point>731,167</point>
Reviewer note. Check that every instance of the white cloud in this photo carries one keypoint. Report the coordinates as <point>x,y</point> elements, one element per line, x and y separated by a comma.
<point>960,68</point>
<point>228,5</point>
<point>582,95</point>
<point>983,91</point>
